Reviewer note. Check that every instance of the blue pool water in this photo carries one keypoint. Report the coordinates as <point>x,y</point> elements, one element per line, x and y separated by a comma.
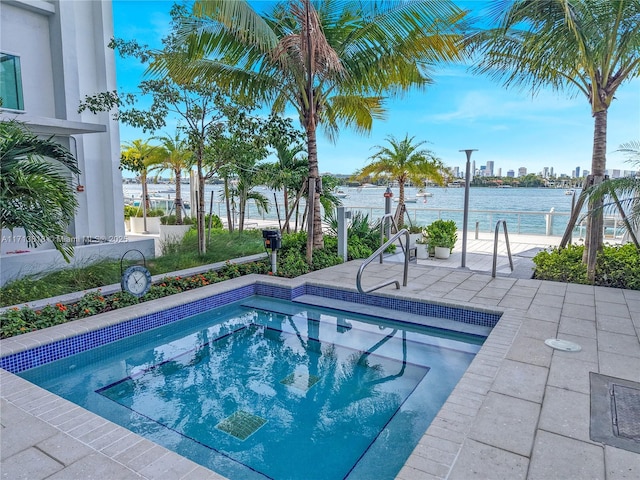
<point>263,388</point>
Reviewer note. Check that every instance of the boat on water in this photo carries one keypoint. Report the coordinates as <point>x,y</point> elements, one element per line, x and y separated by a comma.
<point>569,192</point>
<point>407,200</point>
<point>340,194</point>
<point>423,193</point>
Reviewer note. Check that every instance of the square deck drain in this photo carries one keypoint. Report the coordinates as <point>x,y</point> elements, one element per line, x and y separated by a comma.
<point>241,424</point>
<point>615,412</point>
<point>302,381</point>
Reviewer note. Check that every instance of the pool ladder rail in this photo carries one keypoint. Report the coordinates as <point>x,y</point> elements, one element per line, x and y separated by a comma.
<point>379,253</point>
<point>495,246</point>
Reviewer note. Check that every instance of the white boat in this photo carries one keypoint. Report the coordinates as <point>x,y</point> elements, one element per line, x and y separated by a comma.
<point>406,200</point>
<point>569,192</point>
<point>340,194</point>
<point>422,193</point>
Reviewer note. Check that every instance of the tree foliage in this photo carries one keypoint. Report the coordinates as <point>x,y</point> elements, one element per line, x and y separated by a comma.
<point>587,47</point>
<point>402,161</point>
<point>36,187</point>
<point>333,62</point>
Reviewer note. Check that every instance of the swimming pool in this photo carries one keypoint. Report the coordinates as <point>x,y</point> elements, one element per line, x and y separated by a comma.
<point>295,355</point>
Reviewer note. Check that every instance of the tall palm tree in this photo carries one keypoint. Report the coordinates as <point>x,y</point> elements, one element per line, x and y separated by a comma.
<point>581,46</point>
<point>402,161</point>
<point>334,62</point>
<point>36,187</point>
<point>176,156</point>
<point>140,156</point>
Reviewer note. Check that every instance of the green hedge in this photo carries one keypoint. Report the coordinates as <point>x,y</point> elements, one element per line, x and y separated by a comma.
<point>617,266</point>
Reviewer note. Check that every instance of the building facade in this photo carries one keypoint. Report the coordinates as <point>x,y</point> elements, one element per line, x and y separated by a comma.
<point>53,54</point>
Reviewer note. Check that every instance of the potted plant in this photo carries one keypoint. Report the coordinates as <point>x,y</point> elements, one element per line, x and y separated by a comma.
<point>415,232</point>
<point>170,231</point>
<point>442,235</point>
<point>421,246</point>
<point>129,211</point>
<point>153,221</point>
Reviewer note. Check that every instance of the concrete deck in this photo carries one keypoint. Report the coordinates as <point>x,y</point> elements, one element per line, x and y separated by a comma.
<point>521,411</point>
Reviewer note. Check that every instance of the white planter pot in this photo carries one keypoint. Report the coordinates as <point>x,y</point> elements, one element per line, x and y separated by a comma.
<point>137,225</point>
<point>443,252</point>
<point>412,239</point>
<point>173,233</point>
<point>422,252</point>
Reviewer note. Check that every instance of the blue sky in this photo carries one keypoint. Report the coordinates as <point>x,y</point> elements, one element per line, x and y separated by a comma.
<point>459,111</point>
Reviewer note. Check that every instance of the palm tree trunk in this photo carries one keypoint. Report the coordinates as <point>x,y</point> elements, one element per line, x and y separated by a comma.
<point>178,200</point>
<point>285,194</point>
<point>594,235</point>
<point>317,240</point>
<point>401,202</point>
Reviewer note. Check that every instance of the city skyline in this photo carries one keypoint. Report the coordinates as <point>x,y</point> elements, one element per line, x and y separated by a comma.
<point>459,111</point>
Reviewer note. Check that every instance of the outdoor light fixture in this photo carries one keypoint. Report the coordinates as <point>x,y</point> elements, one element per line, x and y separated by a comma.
<point>272,240</point>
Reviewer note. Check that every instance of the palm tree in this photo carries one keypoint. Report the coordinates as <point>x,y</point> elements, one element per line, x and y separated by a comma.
<point>287,174</point>
<point>36,188</point>
<point>402,161</point>
<point>139,156</point>
<point>176,156</point>
<point>586,46</point>
<point>334,62</point>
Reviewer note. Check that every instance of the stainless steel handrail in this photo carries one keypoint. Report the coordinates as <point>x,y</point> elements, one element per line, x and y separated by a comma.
<point>379,252</point>
<point>495,246</point>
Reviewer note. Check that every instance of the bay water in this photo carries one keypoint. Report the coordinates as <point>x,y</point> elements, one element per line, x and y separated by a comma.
<point>526,210</point>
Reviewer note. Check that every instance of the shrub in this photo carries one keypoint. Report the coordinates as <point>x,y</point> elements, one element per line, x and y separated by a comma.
<point>130,211</point>
<point>442,233</point>
<point>561,265</point>
<point>152,212</point>
<point>216,223</point>
<point>16,321</point>
<point>171,220</point>
<point>617,266</point>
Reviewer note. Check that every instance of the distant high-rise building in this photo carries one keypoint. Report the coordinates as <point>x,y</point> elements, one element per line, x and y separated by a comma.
<point>500,172</point>
<point>615,173</point>
<point>577,172</point>
<point>585,173</point>
<point>473,168</point>
<point>489,169</point>
<point>456,172</point>
<point>545,172</point>
<point>511,174</point>
<point>522,171</point>
<point>551,172</point>
<point>483,171</point>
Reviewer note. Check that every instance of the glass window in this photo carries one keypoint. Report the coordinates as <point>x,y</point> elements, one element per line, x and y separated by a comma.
<point>10,82</point>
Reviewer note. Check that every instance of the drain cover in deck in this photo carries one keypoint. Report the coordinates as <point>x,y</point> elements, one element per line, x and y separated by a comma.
<point>615,412</point>
<point>301,381</point>
<point>626,404</point>
<point>241,424</point>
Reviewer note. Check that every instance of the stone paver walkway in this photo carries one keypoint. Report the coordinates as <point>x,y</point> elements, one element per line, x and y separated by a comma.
<point>521,411</point>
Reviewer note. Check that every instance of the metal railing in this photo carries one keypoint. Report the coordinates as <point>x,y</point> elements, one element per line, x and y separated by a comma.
<point>379,252</point>
<point>495,246</point>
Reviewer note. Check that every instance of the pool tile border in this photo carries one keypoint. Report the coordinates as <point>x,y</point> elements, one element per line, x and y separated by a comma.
<point>26,358</point>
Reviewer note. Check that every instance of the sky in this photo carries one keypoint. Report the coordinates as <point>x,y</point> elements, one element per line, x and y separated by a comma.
<point>459,111</point>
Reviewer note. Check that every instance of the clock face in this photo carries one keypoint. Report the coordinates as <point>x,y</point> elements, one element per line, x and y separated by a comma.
<point>136,280</point>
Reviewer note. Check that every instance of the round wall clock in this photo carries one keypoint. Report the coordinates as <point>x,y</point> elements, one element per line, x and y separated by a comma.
<point>136,280</point>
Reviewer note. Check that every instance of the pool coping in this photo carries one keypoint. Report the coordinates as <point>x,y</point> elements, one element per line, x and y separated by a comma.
<point>458,443</point>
